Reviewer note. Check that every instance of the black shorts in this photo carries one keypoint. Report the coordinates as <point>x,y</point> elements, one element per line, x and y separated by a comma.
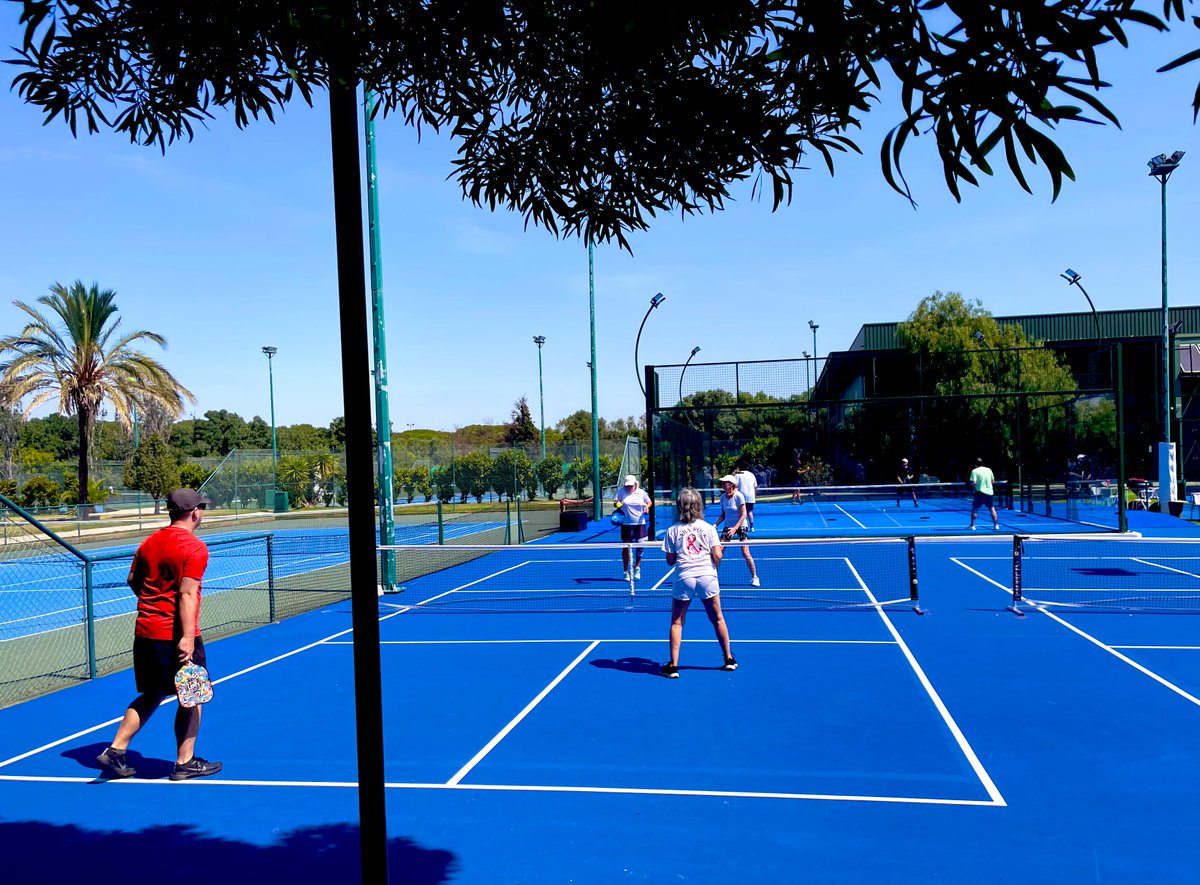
<point>156,661</point>
<point>981,500</point>
<point>749,506</point>
<point>632,533</point>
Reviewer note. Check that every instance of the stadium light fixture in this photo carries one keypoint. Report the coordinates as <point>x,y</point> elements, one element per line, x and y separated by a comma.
<point>1074,279</point>
<point>637,366</point>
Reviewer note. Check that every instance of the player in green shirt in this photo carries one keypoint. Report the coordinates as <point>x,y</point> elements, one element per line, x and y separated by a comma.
<point>982,479</point>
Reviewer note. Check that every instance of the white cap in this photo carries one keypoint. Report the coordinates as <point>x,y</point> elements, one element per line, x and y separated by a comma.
<point>1081,457</point>
<point>903,460</point>
<point>631,480</point>
<point>728,478</point>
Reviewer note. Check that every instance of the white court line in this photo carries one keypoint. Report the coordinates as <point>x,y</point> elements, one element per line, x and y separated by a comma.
<point>620,639</point>
<point>848,513</point>
<point>959,737</point>
<point>1112,650</point>
<point>521,788</point>
<point>1164,647</point>
<point>1167,568</point>
<point>478,757</point>
<point>171,700</point>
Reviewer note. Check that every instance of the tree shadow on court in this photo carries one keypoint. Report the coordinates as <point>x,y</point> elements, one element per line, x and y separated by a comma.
<point>35,851</point>
<point>641,666</point>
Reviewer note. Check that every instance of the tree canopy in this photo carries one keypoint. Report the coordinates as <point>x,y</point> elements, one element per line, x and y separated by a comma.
<point>591,118</point>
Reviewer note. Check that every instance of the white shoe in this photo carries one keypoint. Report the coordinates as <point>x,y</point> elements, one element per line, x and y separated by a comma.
<point>971,527</point>
<point>625,577</point>
<point>754,581</point>
<point>637,572</point>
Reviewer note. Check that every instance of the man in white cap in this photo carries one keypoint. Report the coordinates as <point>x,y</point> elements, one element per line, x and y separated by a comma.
<point>905,477</point>
<point>635,505</point>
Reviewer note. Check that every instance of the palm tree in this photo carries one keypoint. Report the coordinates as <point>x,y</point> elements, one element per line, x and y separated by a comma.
<point>84,360</point>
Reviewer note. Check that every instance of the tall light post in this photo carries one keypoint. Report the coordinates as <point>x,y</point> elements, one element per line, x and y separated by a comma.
<point>695,350</point>
<point>597,503</point>
<point>1074,279</point>
<point>807,373</point>
<point>814,327</point>
<point>1161,168</point>
<point>637,366</point>
<point>539,340</point>
<point>270,352</point>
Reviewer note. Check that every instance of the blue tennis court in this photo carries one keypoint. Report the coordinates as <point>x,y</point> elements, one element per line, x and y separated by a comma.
<point>861,744</point>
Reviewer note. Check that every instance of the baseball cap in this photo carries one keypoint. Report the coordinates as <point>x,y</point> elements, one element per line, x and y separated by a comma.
<point>903,460</point>
<point>728,478</point>
<point>630,480</point>
<point>182,500</point>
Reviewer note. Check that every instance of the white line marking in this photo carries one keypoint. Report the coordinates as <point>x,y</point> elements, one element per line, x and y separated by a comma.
<point>478,757</point>
<point>855,521</point>
<point>619,639</point>
<point>1165,567</point>
<point>1092,639</point>
<point>523,788</point>
<point>959,737</point>
<point>1167,647</point>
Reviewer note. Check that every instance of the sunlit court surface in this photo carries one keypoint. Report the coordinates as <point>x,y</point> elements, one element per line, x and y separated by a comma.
<point>858,741</point>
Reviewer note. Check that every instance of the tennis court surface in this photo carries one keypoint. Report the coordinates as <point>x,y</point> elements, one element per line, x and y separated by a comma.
<point>859,741</point>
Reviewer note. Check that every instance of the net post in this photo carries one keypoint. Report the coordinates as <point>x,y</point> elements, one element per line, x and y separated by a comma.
<point>1018,550</point>
<point>1122,518</point>
<point>508,521</point>
<point>89,603</point>
<point>441,522</point>
<point>520,524</point>
<point>271,578</point>
<point>913,594</point>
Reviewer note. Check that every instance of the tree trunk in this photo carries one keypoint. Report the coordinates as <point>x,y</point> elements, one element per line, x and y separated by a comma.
<point>84,447</point>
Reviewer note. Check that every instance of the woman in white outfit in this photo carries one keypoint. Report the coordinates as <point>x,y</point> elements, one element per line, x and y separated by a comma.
<point>693,548</point>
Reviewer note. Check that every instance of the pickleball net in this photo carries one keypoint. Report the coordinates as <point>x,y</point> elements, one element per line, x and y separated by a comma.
<point>826,573</point>
<point>1106,573</point>
<point>933,496</point>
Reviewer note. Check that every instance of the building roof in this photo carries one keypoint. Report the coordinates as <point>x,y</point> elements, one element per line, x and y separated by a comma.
<point>1057,327</point>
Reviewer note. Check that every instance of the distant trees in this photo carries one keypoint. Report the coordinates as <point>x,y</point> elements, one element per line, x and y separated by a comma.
<point>75,353</point>
<point>153,469</point>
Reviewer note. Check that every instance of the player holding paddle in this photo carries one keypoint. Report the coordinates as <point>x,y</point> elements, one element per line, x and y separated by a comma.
<point>165,576</point>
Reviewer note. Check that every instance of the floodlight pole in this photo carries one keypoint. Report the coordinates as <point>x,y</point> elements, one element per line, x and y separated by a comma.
<point>1161,168</point>
<point>383,422</point>
<point>539,340</point>
<point>270,352</point>
<point>597,504</point>
<point>814,327</point>
<point>655,301</point>
<point>695,350</point>
<point>1074,279</point>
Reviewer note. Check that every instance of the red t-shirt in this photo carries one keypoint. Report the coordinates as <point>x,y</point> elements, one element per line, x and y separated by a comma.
<point>161,563</point>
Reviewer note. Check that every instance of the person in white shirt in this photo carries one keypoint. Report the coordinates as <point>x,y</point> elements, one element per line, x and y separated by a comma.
<point>634,505</point>
<point>747,484</point>
<point>694,550</point>
<point>733,515</point>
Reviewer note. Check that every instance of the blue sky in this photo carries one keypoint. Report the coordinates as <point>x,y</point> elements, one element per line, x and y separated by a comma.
<point>225,244</point>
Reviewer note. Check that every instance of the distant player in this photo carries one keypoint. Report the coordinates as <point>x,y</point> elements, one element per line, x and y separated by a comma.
<point>982,480</point>
<point>747,484</point>
<point>905,477</point>
<point>733,516</point>
<point>635,505</point>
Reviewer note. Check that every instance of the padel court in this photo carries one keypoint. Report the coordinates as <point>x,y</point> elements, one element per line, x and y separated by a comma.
<point>860,742</point>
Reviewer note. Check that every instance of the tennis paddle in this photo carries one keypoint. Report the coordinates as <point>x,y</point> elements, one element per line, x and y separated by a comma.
<point>192,685</point>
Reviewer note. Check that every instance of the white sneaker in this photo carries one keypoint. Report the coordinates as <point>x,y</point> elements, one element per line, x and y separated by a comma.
<point>625,577</point>
<point>971,527</point>
<point>637,572</point>
<point>754,581</point>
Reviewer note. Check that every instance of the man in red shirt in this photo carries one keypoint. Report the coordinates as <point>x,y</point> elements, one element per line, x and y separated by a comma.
<point>165,576</point>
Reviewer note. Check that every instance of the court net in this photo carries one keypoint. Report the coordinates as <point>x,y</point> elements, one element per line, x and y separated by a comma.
<point>840,573</point>
<point>954,496</point>
<point>1106,573</point>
